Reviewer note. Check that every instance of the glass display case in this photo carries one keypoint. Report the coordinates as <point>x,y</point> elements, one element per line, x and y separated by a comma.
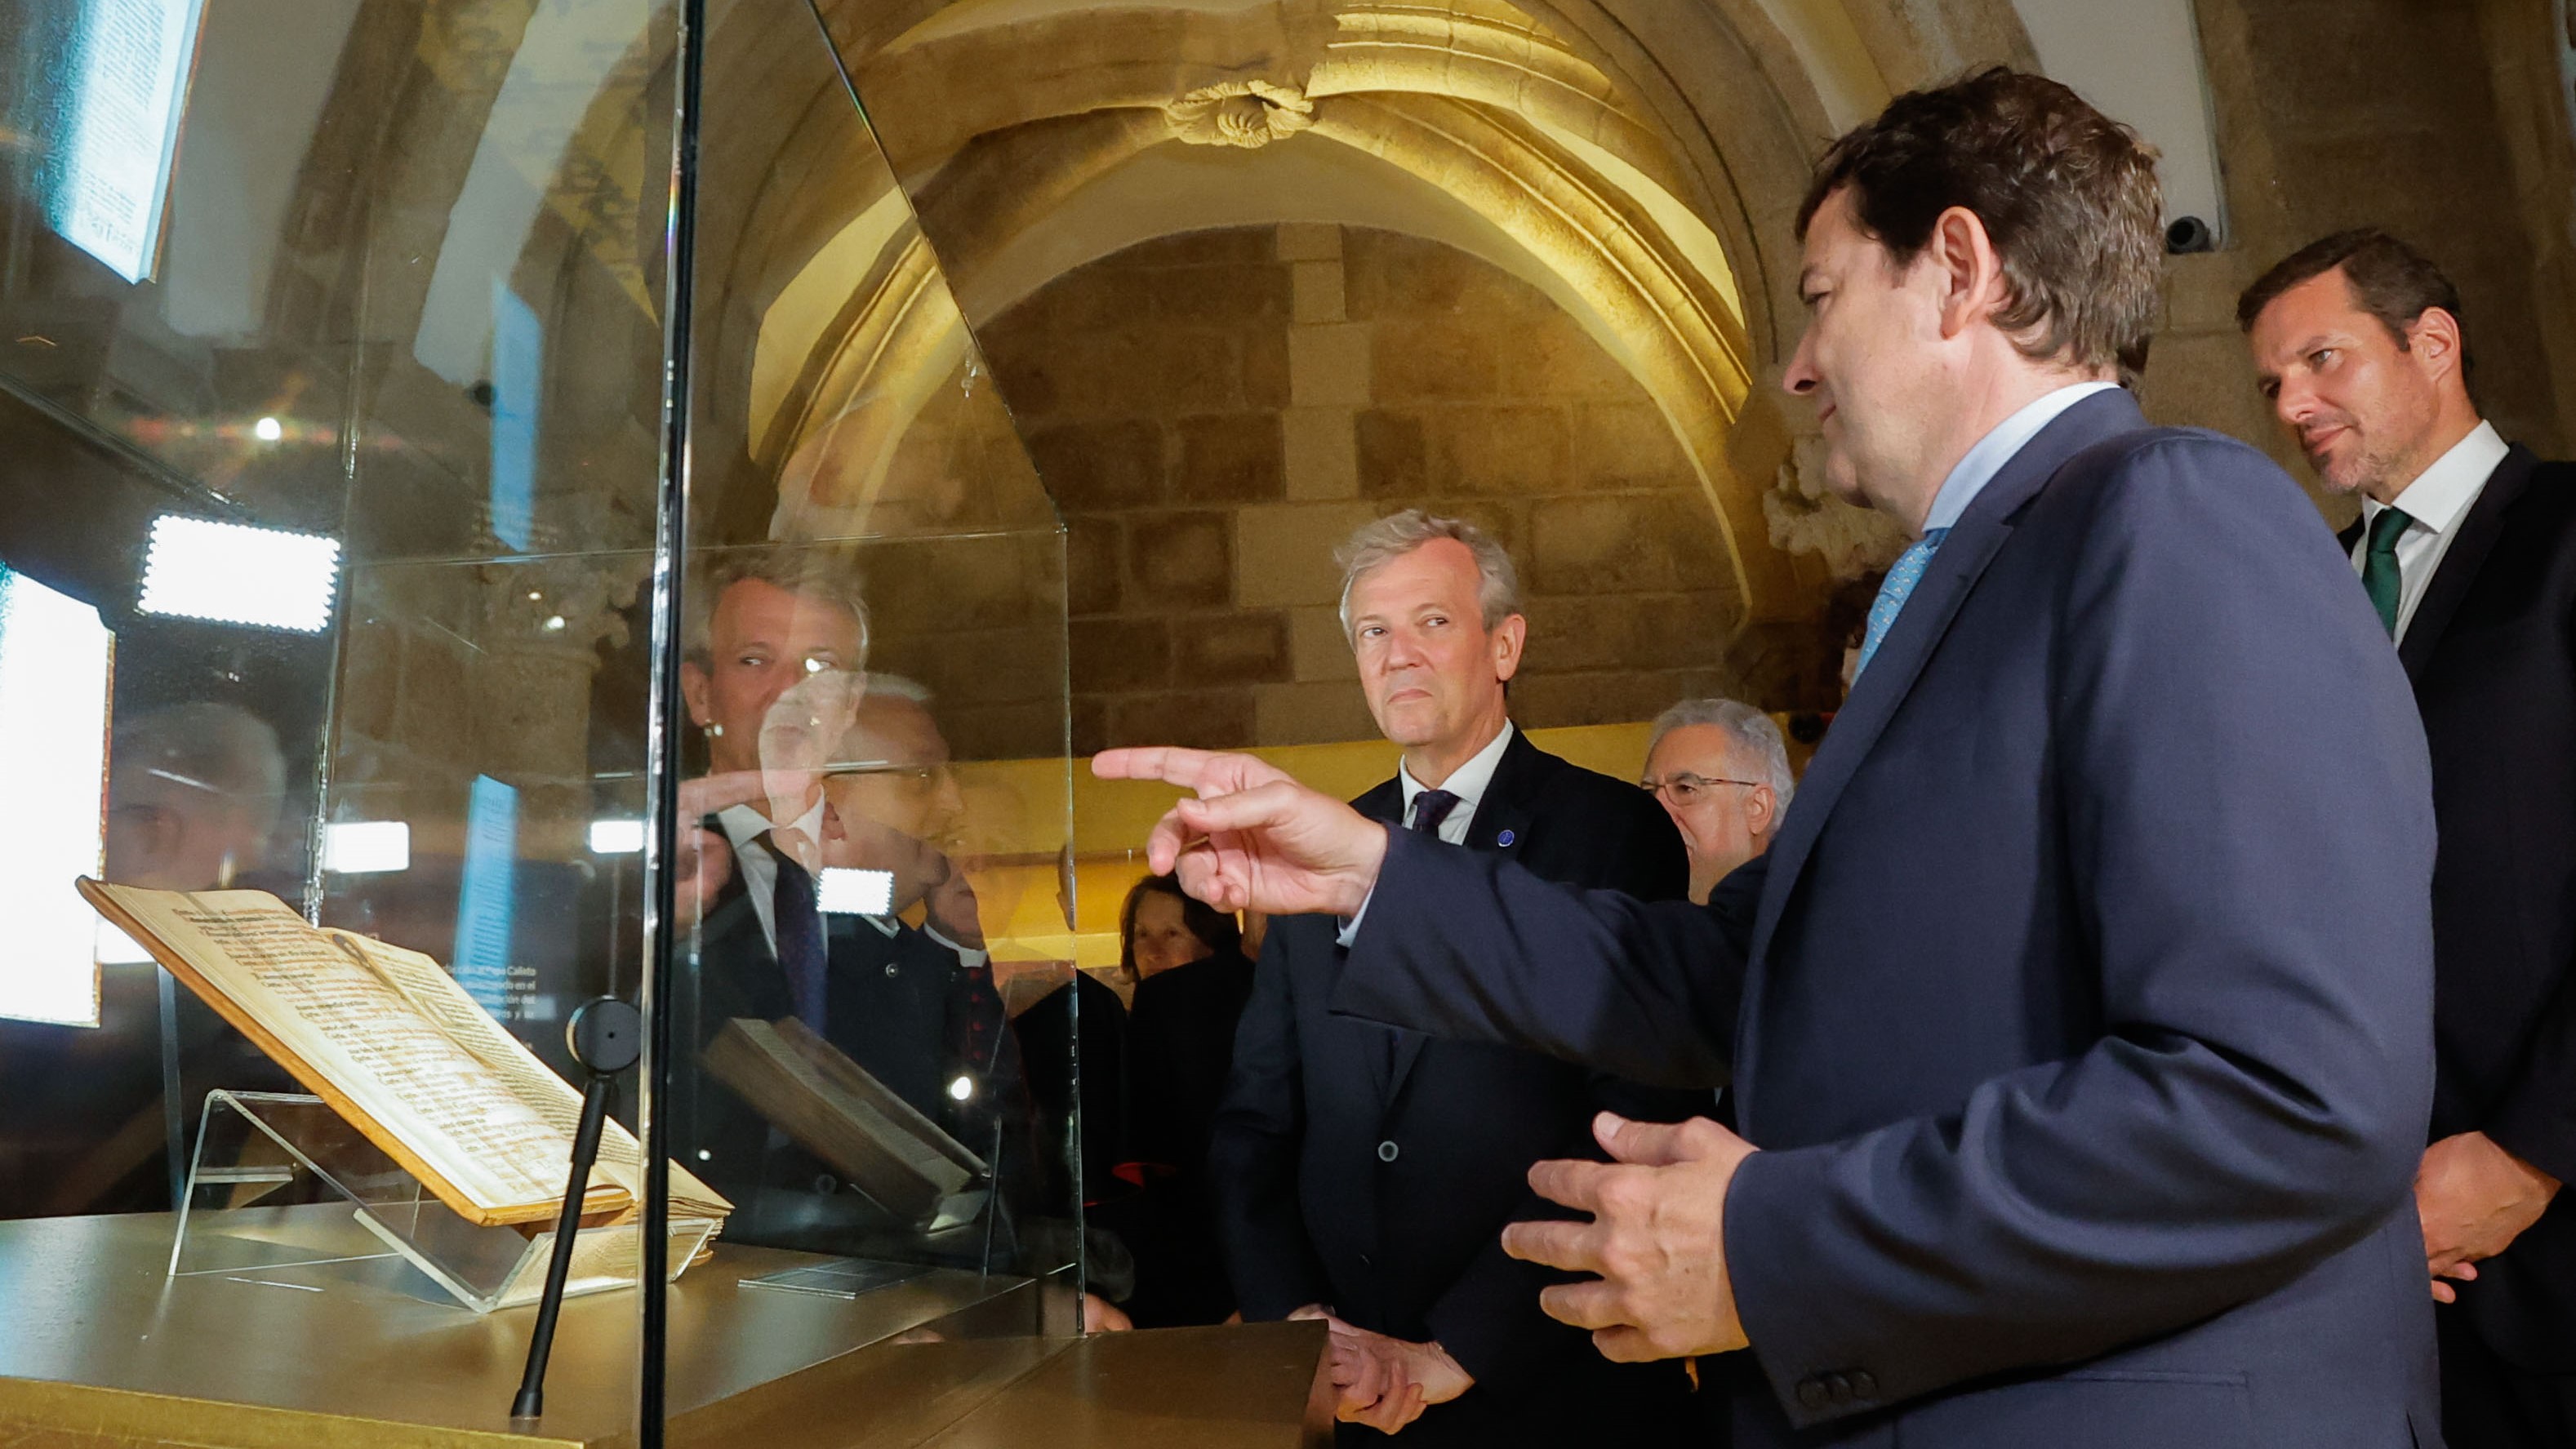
<point>510,482</point>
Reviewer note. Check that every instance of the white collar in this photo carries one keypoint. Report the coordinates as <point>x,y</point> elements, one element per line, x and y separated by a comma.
<point>1978,467</point>
<point>744,824</point>
<point>2440,495</point>
<point>1468,781</point>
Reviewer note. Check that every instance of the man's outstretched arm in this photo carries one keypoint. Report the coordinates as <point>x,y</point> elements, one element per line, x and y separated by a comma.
<point>1457,944</point>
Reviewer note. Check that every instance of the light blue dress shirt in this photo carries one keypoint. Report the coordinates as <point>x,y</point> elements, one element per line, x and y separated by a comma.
<point>1970,475</point>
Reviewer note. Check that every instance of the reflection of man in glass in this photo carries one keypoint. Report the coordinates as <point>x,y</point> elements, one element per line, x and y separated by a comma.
<point>914,1005</point>
<point>772,679</point>
<point>193,797</point>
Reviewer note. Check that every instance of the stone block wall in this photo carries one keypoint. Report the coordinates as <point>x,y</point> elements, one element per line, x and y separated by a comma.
<point>1215,411</point>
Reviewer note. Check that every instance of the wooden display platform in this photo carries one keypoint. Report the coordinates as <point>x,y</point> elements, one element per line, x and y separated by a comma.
<point>102,1349</point>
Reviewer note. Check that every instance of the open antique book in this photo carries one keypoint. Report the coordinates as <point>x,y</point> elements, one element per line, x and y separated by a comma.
<point>395,1046</point>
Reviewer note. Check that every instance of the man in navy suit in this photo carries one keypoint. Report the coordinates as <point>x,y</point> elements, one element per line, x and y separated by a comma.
<point>2467,547</point>
<point>2081,1011</point>
<point>1366,1173</point>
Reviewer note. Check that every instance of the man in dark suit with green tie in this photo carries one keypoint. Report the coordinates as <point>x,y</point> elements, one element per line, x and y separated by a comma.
<point>2466,547</point>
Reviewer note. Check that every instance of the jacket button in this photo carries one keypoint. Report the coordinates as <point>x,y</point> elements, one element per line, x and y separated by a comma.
<point>824,1186</point>
<point>1811,1393</point>
<point>1863,1386</point>
<point>1386,1151</point>
<point>1838,1388</point>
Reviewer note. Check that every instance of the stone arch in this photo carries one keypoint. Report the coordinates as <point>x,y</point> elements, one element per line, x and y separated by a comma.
<point>1479,101</point>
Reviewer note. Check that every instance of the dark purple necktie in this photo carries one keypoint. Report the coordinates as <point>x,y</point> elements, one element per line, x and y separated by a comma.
<point>796,918</point>
<point>1430,808</point>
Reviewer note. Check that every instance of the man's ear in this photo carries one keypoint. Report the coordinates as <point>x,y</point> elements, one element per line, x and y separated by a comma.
<point>1508,638</point>
<point>2434,339</point>
<point>1761,810</point>
<point>1970,274</point>
<point>694,685</point>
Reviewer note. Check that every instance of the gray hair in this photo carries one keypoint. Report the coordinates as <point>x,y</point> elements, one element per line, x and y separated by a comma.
<point>1498,584</point>
<point>830,577</point>
<point>1753,732</point>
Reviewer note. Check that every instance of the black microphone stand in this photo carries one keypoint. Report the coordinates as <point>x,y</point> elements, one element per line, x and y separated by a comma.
<point>606,1036</point>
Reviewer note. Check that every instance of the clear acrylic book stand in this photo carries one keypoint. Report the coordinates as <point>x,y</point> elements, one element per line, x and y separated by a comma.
<point>282,1182</point>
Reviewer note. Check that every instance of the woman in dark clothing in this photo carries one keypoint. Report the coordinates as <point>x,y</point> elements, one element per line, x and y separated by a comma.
<point>1191,984</point>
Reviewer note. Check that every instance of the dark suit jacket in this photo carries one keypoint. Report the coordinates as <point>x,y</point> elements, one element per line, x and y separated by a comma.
<point>1383,1195</point>
<point>2492,653</point>
<point>1180,1052</point>
<point>2083,1005</point>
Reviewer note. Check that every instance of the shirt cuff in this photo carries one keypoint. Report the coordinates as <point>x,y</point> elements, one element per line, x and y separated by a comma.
<point>1351,928</point>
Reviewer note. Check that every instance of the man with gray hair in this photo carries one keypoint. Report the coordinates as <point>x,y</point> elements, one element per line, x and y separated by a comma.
<point>1363,1174</point>
<point>1721,770</point>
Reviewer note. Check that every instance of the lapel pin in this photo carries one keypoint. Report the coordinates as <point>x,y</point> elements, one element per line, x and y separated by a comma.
<point>1505,838</point>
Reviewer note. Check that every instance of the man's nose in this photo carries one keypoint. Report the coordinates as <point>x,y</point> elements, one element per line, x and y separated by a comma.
<point>2295,403</point>
<point>1801,377</point>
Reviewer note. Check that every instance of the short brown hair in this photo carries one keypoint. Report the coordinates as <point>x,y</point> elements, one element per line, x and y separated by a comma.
<point>2068,195</point>
<point>2389,280</point>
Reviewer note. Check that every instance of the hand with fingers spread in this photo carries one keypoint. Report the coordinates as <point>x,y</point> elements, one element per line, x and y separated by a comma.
<point>1387,1382</point>
<point>1657,1239</point>
<point>1252,836</point>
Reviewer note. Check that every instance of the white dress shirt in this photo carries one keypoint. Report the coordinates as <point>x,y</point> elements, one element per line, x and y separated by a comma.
<point>743,825</point>
<point>2436,502</point>
<point>1468,782</point>
<point>1979,465</point>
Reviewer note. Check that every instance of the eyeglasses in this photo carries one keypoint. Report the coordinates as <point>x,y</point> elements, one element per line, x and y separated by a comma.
<point>1681,788</point>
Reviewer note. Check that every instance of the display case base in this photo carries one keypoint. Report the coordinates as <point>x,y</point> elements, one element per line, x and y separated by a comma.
<point>104,1348</point>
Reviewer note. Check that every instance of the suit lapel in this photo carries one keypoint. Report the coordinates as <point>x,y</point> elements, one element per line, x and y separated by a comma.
<point>1947,580</point>
<point>1385,802</point>
<point>2463,559</point>
<point>1501,813</point>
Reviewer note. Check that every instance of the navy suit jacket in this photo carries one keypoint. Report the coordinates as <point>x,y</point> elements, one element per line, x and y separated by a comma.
<point>2083,1005</point>
<point>1374,1170</point>
<point>2492,655</point>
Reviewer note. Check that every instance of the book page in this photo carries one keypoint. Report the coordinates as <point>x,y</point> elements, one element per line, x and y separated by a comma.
<point>351,1027</point>
<point>426,985</point>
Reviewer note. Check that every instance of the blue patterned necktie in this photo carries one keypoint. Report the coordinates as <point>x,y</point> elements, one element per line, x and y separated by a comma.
<point>1892,594</point>
<point>797,918</point>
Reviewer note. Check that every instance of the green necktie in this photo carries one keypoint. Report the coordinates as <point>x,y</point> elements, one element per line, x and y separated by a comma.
<point>2379,566</point>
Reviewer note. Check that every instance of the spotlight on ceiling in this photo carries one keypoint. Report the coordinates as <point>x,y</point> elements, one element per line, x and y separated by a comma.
<point>235,574</point>
<point>268,430</point>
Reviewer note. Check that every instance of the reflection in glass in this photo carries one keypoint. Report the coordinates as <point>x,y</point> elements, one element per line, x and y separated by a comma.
<point>54,666</point>
<point>129,63</point>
